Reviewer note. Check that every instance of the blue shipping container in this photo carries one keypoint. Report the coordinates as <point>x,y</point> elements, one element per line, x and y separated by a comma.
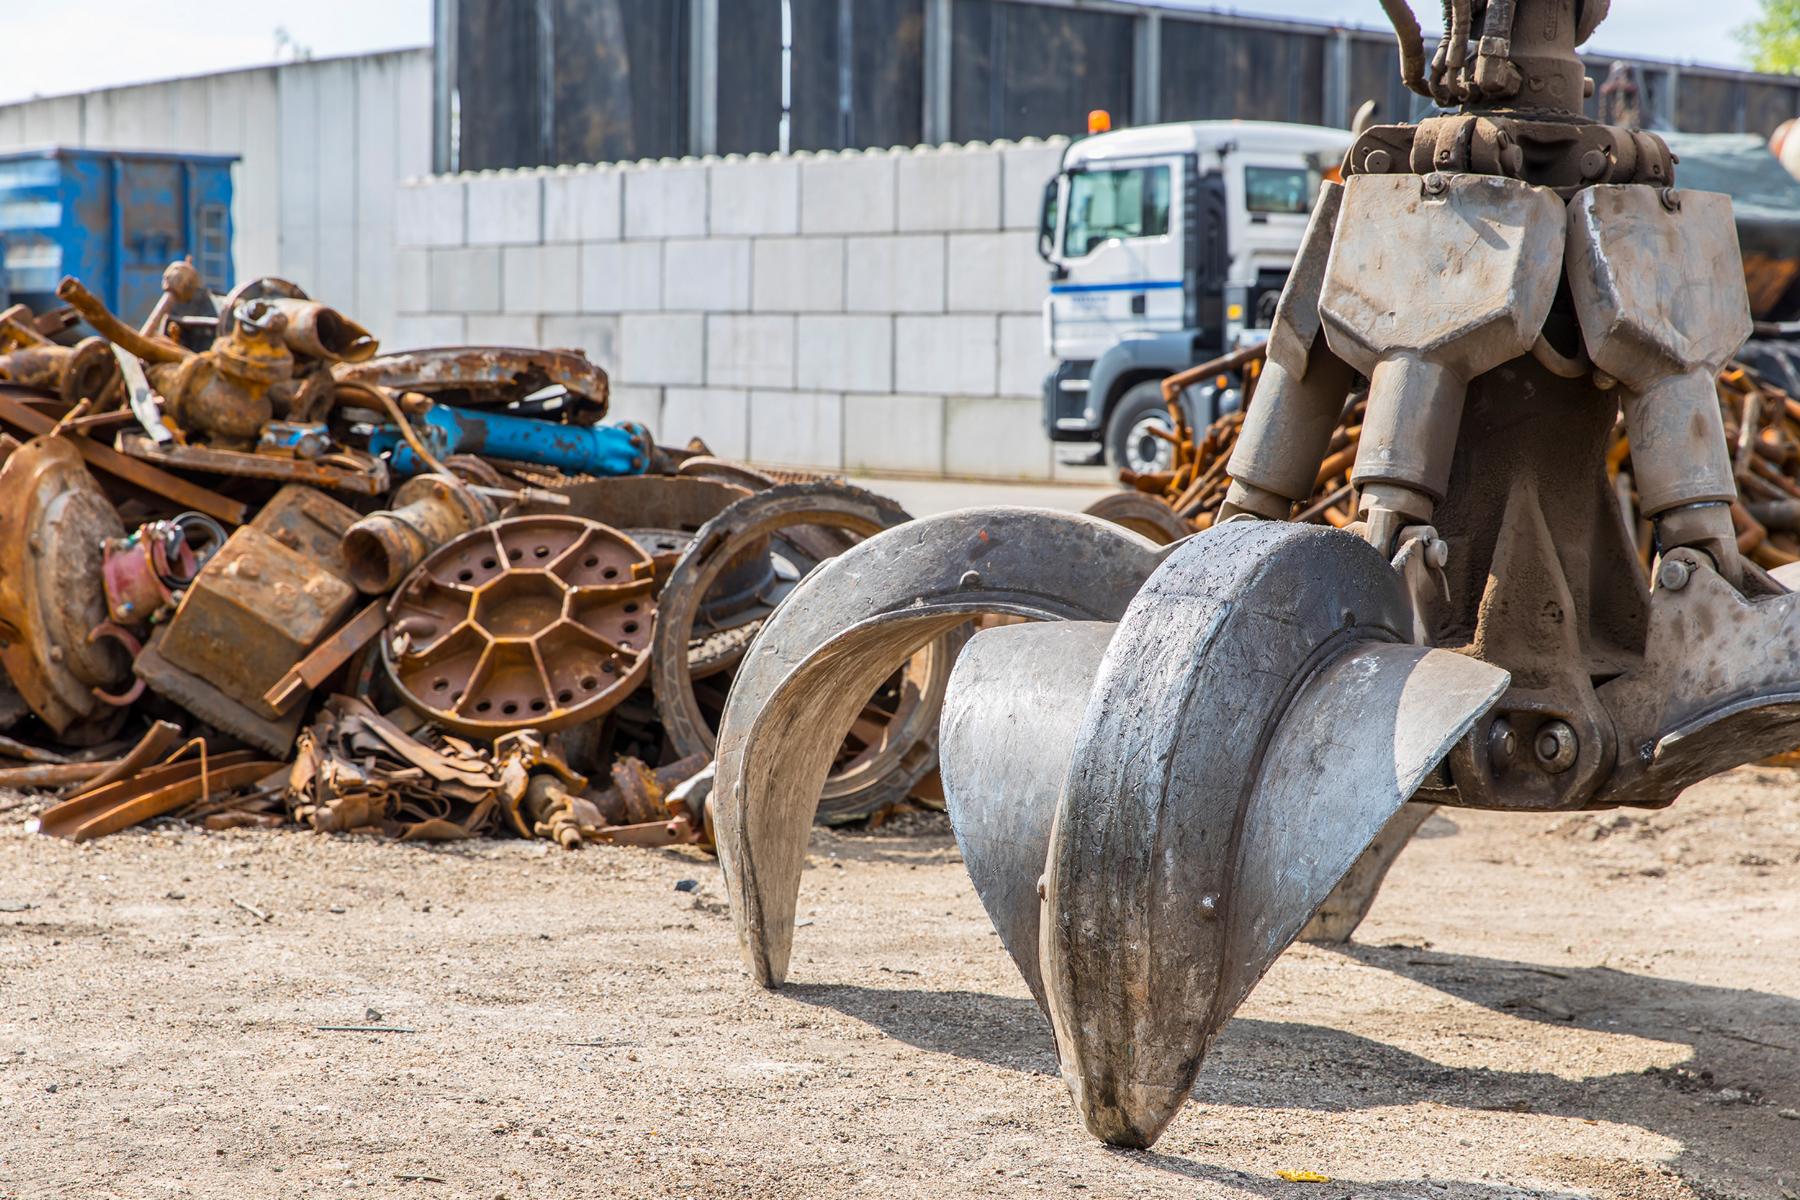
<point>113,219</point>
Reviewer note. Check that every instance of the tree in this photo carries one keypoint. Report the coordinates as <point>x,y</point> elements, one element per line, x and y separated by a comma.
<point>1773,38</point>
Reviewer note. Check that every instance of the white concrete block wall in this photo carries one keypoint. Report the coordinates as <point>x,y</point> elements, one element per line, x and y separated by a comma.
<point>865,310</point>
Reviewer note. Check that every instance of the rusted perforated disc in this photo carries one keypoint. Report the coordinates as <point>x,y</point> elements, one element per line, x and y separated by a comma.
<point>536,622</point>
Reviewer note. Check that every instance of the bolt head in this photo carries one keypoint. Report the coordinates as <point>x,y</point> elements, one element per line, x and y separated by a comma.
<point>1378,162</point>
<point>1674,573</point>
<point>1556,746</point>
<point>1435,183</point>
<point>1503,743</point>
<point>1593,164</point>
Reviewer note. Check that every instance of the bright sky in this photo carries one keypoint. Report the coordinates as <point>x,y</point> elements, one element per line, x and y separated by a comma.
<point>77,45</point>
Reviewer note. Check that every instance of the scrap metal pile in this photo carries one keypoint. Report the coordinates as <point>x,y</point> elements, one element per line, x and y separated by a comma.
<point>253,572</point>
<point>1762,432</point>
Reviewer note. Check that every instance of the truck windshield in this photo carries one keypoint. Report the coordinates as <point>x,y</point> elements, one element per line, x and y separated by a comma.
<point>1128,203</point>
<point>1278,190</point>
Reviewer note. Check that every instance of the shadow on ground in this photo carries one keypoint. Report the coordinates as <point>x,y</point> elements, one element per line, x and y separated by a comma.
<point>1721,1104</point>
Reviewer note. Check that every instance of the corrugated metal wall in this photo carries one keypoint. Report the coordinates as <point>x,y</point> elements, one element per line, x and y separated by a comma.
<point>862,75</point>
<point>323,146</point>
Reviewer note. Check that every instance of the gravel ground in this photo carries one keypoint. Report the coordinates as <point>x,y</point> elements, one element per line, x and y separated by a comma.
<point>1597,1005</point>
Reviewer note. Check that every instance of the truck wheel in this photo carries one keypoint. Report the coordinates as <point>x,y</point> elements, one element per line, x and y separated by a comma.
<point>1131,432</point>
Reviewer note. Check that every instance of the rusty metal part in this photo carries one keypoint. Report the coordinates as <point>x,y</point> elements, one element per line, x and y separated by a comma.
<point>153,793</point>
<point>318,331</point>
<point>485,374</point>
<point>1144,515</point>
<point>128,642</point>
<point>893,747</point>
<point>357,770</point>
<point>325,659</point>
<point>206,700</point>
<point>181,285</point>
<point>724,470</point>
<point>851,624</point>
<point>158,740</point>
<point>425,512</point>
<point>55,521</point>
<point>82,371</point>
<point>16,413</point>
<point>255,609</point>
<point>539,622</point>
<point>343,470</point>
<point>644,807</point>
<point>310,523</point>
<point>94,311</point>
<point>50,775</point>
<point>145,571</point>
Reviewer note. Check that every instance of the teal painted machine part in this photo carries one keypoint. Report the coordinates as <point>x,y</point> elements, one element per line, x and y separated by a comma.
<point>621,449</point>
<point>113,219</point>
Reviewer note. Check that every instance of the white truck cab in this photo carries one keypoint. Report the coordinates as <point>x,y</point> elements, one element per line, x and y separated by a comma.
<point>1168,245</point>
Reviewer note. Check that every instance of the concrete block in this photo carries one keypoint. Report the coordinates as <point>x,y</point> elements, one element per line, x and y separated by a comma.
<point>717,416</point>
<point>756,197</point>
<point>583,204</point>
<point>643,405</point>
<point>489,329</point>
<point>429,212</point>
<point>665,200</point>
<point>995,437</point>
<point>505,209</point>
<point>1024,170</point>
<point>798,275</point>
<point>847,193</point>
<point>412,279</point>
<point>619,277</point>
<point>1023,360</point>
<point>662,348</point>
<point>946,355</point>
<point>465,280</point>
<point>637,404</point>
<point>422,332</point>
<point>848,354</point>
<point>948,189</point>
<point>540,279</point>
<point>995,272</point>
<point>596,337</point>
<point>894,274</point>
<point>709,275</point>
<point>743,351</point>
<point>894,433</point>
<point>797,429</point>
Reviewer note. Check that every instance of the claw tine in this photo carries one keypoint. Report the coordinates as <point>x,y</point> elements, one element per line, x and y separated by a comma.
<point>1016,698</point>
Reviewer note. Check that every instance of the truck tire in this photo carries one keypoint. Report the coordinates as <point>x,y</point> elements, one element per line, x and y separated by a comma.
<point>1130,442</point>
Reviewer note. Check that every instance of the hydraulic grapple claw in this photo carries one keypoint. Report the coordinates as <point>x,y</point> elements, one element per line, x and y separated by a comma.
<point>848,626</point>
<point>1257,719</point>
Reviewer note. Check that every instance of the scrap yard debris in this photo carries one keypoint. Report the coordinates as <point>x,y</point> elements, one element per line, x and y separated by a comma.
<point>1762,433</point>
<point>255,572</point>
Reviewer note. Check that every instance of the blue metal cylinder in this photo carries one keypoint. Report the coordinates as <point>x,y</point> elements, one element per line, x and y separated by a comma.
<point>621,449</point>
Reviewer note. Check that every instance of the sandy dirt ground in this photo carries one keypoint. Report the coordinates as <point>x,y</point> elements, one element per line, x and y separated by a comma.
<point>1598,1005</point>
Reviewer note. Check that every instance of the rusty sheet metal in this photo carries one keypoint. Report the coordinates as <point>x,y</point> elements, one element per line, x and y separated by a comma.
<point>309,522</point>
<point>326,658</point>
<point>532,621</point>
<point>99,811</point>
<point>20,415</point>
<point>255,610</point>
<point>502,370</point>
<point>343,470</point>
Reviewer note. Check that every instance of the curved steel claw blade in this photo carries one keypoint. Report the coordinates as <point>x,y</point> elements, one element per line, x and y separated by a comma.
<point>1014,705</point>
<point>848,625</point>
<point>1256,720</point>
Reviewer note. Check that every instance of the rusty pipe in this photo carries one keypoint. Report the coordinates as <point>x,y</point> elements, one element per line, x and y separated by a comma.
<point>94,311</point>
<point>320,331</point>
<point>80,372</point>
<point>429,510</point>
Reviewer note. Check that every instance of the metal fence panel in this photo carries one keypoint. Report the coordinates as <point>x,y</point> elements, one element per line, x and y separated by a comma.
<point>1224,71</point>
<point>749,76</point>
<point>621,80</point>
<point>1024,70</point>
